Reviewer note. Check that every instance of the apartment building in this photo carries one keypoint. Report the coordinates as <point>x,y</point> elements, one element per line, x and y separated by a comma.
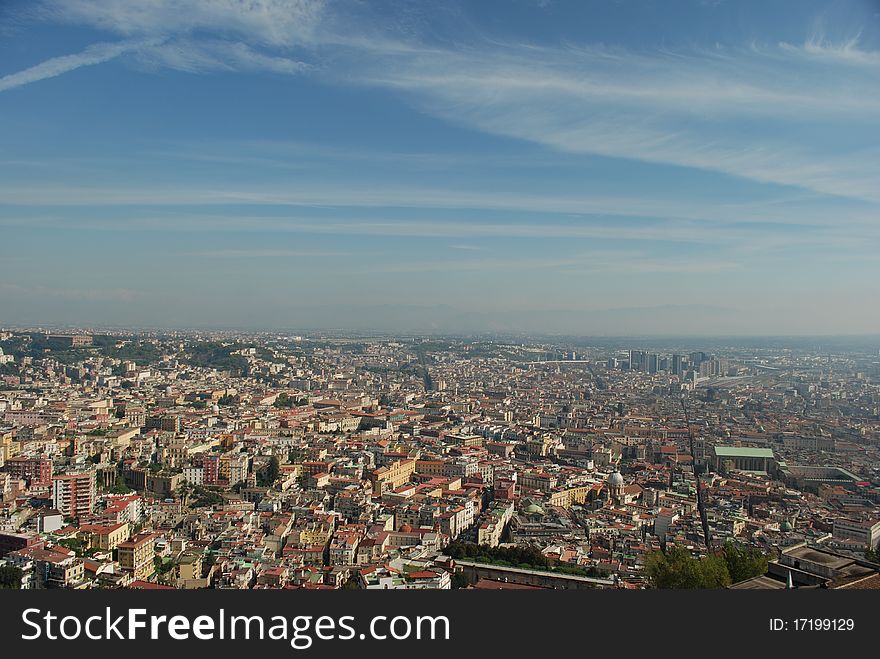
<point>136,556</point>
<point>73,494</point>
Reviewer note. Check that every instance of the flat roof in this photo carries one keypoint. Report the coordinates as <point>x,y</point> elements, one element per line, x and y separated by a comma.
<point>762,582</point>
<point>743,452</point>
<point>816,555</point>
<point>819,472</point>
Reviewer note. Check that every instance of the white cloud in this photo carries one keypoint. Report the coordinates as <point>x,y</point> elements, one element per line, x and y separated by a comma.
<point>860,216</point>
<point>604,262</point>
<point>753,112</point>
<point>262,253</point>
<point>468,247</point>
<point>486,236</point>
<point>205,56</point>
<point>94,54</point>
<point>694,82</point>
<point>171,33</point>
<point>821,50</point>
<point>267,22</point>
<point>744,113</point>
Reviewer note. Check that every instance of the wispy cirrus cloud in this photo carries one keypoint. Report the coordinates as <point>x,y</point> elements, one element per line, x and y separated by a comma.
<point>751,112</point>
<point>181,55</point>
<point>791,211</point>
<point>588,263</point>
<point>94,54</point>
<point>159,33</point>
<point>202,56</point>
<point>278,23</point>
<point>819,49</point>
<point>480,235</point>
<point>262,253</point>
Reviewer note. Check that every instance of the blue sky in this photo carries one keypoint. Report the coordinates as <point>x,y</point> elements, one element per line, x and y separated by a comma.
<point>674,167</point>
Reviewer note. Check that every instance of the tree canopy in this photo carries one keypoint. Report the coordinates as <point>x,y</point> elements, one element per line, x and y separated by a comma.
<point>270,473</point>
<point>744,562</point>
<point>10,577</point>
<point>283,401</point>
<point>678,568</point>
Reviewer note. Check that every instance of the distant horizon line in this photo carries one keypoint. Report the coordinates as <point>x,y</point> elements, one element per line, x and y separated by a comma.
<point>412,333</point>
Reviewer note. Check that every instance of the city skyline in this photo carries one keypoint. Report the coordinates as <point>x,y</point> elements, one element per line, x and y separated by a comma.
<point>686,168</point>
<point>235,462</point>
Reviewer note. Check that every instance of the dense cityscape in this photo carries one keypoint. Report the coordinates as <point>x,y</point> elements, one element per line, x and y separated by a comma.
<point>564,297</point>
<point>233,460</point>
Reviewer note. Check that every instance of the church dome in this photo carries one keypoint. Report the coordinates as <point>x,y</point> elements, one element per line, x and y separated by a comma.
<point>615,480</point>
<point>534,509</point>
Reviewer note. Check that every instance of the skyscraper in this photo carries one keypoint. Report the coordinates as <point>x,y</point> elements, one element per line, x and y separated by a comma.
<point>698,358</point>
<point>637,360</point>
<point>677,365</point>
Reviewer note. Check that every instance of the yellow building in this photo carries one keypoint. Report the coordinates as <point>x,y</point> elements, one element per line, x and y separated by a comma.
<point>5,446</point>
<point>136,556</point>
<point>392,476</point>
<point>566,498</point>
<point>313,534</point>
<point>175,455</point>
<point>491,530</point>
<point>234,467</point>
<point>465,440</point>
<point>431,467</point>
<point>105,536</point>
<point>189,566</point>
<point>537,480</point>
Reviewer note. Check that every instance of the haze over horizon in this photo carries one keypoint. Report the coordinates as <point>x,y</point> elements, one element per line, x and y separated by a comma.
<point>628,168</point>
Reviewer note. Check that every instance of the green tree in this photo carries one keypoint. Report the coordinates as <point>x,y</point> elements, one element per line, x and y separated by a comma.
<point>460,580</point>
<point>283,401</point>
<point>530,556</point>
<point>743,562</point>
<point>120,487</point>
<point>714,572</point>
<point>677,569</point>
<point>204,498</point>
<point>270,473</point>
<point>10,577</point>
<point>162,566</point>
<point>73,544</point>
